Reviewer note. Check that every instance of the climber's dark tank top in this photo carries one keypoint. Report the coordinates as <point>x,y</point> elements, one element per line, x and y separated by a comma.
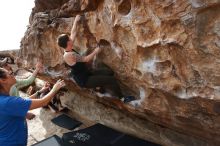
<point>80,72</point>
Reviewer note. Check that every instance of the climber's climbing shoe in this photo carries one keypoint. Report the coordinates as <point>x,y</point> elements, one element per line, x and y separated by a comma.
<point>127,99</point>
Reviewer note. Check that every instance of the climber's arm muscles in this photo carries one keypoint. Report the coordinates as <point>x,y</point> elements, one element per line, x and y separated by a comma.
<point>73,32</point>
<point>74,28</point>
<point>79,58</point>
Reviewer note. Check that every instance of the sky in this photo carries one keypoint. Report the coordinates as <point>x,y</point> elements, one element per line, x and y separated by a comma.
<point>14,18</point>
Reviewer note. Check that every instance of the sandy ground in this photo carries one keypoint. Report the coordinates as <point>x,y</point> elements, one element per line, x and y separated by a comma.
<point>41,126</point>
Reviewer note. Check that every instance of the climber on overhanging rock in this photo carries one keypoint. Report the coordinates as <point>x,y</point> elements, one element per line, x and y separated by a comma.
<point>82,75</point>
<point>13,109</point>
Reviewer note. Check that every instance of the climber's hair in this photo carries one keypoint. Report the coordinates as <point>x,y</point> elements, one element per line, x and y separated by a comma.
<point>62,40</point>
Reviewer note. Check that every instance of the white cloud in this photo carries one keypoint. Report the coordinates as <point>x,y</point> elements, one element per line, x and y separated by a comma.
<point>14,16</point>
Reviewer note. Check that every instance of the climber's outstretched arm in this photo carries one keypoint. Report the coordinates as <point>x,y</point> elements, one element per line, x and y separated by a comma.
<point>73,57</point>
<point>74,28</point>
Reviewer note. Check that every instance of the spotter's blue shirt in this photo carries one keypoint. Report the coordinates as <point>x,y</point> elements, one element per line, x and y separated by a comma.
<point>13,126</point>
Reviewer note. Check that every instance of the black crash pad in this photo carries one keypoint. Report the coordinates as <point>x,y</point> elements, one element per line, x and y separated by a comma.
<point>66,122</point>
<point>100,135</point>
<point>96,135</point>
<point>51,141</point>
<point>127,140</point>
